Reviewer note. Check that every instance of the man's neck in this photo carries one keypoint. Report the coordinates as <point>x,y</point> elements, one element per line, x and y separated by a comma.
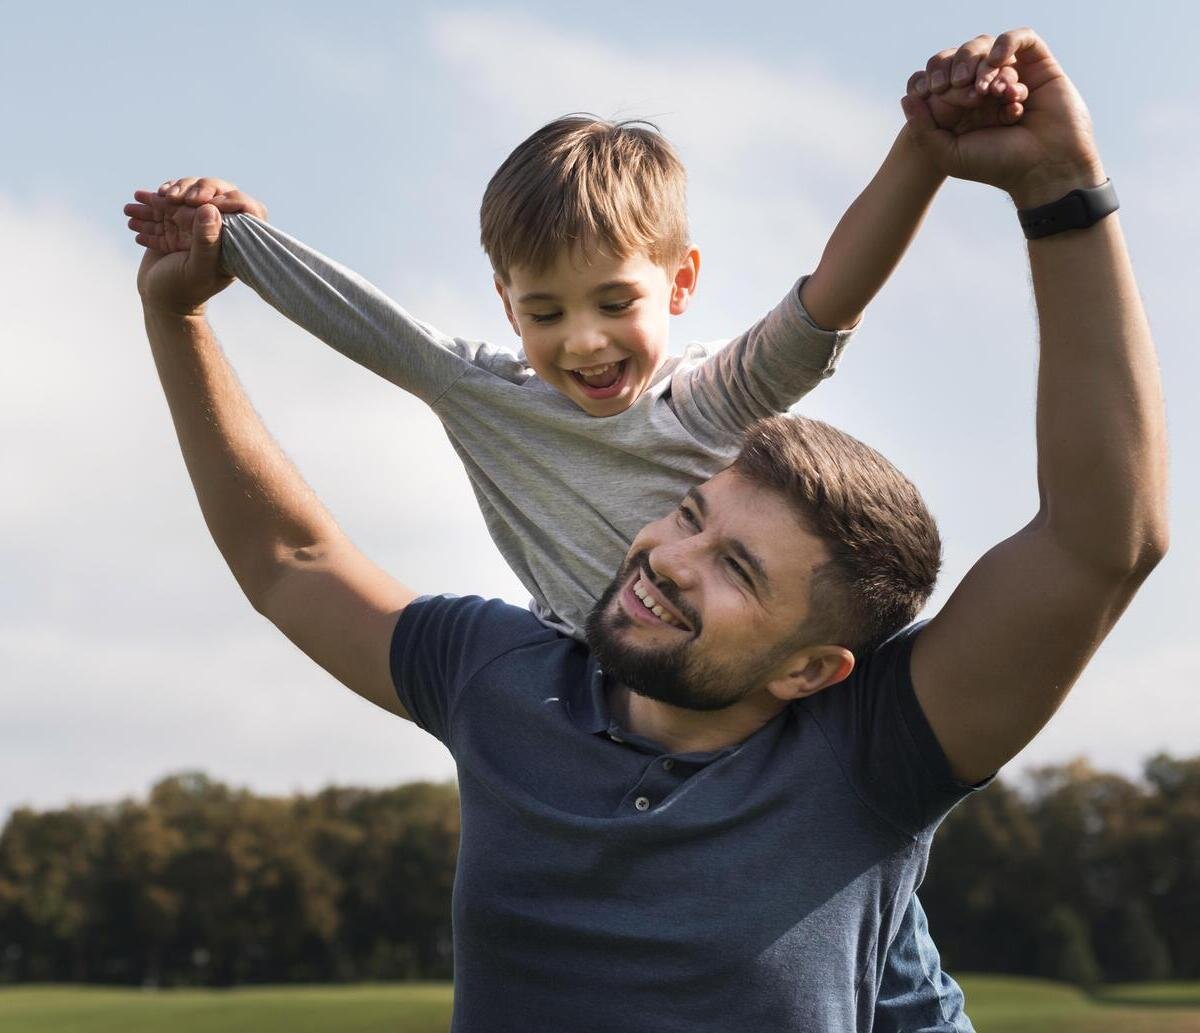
<point>692,731</point>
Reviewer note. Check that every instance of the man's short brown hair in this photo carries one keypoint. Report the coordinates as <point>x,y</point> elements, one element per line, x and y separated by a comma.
<point>883,543</point>
<point>581,181</point>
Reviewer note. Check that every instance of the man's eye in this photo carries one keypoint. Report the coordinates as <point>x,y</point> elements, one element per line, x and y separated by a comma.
<point>738,570</point>
<point>686,516</point>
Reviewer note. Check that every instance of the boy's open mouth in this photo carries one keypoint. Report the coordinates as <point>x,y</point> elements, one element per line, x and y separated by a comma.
<point>603,381</point>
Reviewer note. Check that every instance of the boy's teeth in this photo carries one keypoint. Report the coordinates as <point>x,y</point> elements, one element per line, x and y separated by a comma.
<point>600,376</point>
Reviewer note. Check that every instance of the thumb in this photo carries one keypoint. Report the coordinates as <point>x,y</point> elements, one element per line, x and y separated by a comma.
<point>206,238</point>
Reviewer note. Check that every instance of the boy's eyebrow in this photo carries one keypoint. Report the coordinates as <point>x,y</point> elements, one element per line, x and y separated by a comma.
<point>735,546</point>
<point>607,285</point>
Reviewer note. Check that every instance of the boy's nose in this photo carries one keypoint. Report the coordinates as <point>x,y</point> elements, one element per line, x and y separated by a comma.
<point>585,341</point>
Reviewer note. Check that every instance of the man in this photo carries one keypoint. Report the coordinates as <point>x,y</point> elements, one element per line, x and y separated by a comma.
<point>721,824</point>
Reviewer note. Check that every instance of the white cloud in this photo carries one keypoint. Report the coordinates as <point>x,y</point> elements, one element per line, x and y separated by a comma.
<point>126,648</point>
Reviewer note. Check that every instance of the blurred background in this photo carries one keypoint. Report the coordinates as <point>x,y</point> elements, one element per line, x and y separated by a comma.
<point>370,129</point>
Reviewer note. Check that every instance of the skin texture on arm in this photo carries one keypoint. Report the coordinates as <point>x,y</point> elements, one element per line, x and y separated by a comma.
<point>993,666</point>
<point>873,235</point>
<point>288,555</point>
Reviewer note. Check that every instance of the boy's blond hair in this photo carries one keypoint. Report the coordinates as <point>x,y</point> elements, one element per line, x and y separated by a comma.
<point>583,181</point>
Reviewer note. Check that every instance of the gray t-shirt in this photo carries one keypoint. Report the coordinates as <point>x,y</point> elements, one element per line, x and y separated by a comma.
<point>563,493</point>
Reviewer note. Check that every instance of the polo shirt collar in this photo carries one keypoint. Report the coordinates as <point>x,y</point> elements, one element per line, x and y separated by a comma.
<point>589,712</point>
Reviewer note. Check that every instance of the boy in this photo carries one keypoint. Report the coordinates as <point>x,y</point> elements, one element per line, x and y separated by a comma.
<point>592,431</point>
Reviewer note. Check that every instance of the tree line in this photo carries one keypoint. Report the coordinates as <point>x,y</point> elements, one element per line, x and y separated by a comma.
<point>1070,874</point>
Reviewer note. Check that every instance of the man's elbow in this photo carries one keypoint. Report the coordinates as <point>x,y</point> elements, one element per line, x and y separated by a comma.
<point>1153,547</point>
<point>262,577</point>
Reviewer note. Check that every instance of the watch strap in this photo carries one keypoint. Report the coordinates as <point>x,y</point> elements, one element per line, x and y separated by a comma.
<point>1075,211</point>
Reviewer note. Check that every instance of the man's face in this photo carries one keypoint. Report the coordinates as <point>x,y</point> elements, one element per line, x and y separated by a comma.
<point>705,608</point>
<point>594,327</point>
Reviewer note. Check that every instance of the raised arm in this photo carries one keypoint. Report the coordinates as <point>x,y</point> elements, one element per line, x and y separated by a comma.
<point>993,666</point>
<point>288,555</point>
<point>871,238</point>
<point>331,302</point>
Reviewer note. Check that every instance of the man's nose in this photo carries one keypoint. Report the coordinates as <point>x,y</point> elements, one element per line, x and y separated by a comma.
<point>675,562</point>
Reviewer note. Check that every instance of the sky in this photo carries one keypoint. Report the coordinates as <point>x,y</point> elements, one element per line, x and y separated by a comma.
<point>370,130</point>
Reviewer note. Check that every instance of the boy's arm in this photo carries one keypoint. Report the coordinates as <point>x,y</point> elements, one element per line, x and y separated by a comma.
<point>871,238</point>
<point>334,304</point>
<point>288,555</point>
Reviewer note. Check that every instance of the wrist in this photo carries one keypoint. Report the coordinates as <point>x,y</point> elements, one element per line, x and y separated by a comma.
<point>915,158</point>
<point>1046,184</point>
<point>164,312</point>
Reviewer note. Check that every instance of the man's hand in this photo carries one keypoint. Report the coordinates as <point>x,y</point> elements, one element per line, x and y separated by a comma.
<point>1047,153</point>
<point>164,219</point>
<point>179,283</point>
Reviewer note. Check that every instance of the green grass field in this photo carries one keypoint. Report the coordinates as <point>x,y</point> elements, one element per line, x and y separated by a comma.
<point>998,1004</point>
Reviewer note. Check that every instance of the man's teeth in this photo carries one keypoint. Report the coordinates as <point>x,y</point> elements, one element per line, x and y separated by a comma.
<point>642,591</point>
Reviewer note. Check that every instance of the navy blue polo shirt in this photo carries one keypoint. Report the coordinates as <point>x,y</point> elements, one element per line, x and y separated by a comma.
<point>606,884</point>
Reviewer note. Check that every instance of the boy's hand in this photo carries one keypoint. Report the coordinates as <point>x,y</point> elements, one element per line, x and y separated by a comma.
<point>964,93</point>
<point>1048,153</point>
<point>164,219</point>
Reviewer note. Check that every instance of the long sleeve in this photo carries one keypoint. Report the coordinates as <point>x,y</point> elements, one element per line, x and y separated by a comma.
<point>350,314</point>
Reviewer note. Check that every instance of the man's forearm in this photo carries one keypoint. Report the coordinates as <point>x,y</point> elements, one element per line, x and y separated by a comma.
<point>872,237</point>
<point>258,509</point>
<point>1102,457</point>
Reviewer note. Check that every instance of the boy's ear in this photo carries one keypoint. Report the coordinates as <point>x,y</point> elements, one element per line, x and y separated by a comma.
<point>684,284</point>
<point>503,292</point>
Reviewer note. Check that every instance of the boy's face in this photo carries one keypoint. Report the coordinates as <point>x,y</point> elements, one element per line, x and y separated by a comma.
<point>595,328</point>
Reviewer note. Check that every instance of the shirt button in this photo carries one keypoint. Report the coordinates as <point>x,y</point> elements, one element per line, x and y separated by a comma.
<point>614,737</point>
<point>641,803</point>
<point>668,764</point>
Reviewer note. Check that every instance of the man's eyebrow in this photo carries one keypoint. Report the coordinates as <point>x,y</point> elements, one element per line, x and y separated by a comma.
<point>738,548</point>
<point>607,285</point>
<point>693,495</point>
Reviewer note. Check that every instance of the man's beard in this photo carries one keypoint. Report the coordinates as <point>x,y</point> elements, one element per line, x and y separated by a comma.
<point>674,674</point>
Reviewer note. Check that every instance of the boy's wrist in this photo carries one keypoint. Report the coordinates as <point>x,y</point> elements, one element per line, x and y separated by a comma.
<point>909,151</point>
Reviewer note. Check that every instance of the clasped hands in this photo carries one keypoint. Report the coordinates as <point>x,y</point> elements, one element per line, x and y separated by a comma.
<point>995,110</point>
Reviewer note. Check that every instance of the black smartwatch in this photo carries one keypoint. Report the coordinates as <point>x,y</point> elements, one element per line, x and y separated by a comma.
<point>1076,211</point>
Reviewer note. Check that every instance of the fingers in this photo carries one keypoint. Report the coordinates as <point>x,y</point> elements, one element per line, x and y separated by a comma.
<point>195,191</point>
<point>937,72</point>
<point>1018,46</point>
<point>966,60</point>
<point>238,201</point>
<point>964,78</point>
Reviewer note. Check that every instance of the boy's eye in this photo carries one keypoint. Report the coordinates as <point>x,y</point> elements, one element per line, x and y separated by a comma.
<point>617,306</point>
<point>543,317</point>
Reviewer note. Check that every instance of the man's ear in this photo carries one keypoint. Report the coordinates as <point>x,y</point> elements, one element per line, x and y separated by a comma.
<point>503,292</point>
<point>810,670</point>
<point>683,285</point>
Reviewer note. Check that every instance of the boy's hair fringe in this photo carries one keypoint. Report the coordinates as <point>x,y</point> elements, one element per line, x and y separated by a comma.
<point>582,181</point>
<point>883,544</point>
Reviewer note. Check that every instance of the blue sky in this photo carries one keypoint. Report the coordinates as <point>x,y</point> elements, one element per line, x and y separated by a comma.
<point>126,650</point>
